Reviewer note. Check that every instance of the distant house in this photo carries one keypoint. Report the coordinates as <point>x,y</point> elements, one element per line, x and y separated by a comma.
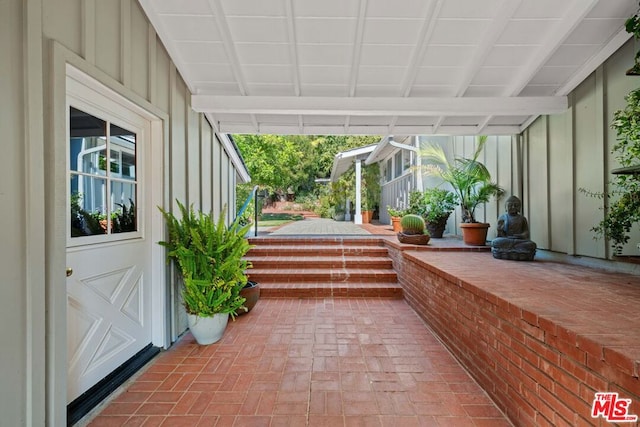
<point>397,158</point>
<point>342,163</point>
<point>402,168</point>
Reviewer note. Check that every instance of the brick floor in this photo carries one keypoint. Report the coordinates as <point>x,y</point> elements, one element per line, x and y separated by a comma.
<point>359,361</point>
<point>315,362</point>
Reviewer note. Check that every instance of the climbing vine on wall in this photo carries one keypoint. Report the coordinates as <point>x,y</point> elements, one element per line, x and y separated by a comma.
<point>632,26</point>
<point>622,198</point>
<point>622,201</point>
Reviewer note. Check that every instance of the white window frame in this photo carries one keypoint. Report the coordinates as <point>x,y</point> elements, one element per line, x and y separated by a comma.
<point>120,120</point>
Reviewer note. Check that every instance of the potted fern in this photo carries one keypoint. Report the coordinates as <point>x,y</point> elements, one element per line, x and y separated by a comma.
<point>209,256</point>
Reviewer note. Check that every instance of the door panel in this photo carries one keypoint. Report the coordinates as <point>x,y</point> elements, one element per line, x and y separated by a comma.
<point>108,313</point>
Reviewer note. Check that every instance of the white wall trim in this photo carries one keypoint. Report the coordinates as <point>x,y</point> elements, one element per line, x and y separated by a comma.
<point>34,193</point>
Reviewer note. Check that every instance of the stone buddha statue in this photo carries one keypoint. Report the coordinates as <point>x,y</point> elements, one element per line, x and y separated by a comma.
<point>513,234</point>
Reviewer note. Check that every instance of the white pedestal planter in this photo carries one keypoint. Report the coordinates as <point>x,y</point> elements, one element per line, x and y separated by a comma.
<point>207,330</point>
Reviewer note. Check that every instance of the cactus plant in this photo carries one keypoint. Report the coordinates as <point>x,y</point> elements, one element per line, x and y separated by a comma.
<point>412,224</point>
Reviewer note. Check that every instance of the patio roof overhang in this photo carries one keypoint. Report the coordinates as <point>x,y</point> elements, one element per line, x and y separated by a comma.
<point>378,67</point>
<point>387,145</point>
<point>343,160</point>
<point>236,158</point>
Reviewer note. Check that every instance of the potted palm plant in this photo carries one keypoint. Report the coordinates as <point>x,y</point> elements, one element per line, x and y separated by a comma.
<point>471,182</point>
<point>209,256</point>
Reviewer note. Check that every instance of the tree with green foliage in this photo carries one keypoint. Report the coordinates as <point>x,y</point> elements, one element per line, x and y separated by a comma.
<point>277,162</point>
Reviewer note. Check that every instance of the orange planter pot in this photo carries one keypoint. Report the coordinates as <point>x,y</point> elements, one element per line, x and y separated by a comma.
<point>366,216</point>
<point>475,233</point>
<point>395,222</point>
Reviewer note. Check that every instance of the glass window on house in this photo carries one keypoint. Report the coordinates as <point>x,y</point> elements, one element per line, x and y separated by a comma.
<point>406,160</point>
<point>397,160</point>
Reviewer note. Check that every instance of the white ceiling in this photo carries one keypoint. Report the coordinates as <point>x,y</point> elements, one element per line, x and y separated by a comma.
<point>382,67</point>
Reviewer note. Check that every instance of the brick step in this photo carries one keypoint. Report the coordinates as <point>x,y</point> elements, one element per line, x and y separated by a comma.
<point>305,262</point>
<point>329,275</point>
<point>315,250</point>
<point>321,267</point>
<point>315,241</point>
<point>327,290</point>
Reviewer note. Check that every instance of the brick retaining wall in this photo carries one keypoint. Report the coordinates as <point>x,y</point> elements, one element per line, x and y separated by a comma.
<point>539,372</point>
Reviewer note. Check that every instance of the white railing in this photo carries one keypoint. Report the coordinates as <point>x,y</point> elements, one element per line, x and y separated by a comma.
<point>396,194</point>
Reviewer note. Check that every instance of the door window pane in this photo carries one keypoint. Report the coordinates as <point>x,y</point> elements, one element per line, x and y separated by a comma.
<point>123,207</point>
<point>88,215</point>
<point>122,144</point>
<point>87,148</point>
<point>103,188</point>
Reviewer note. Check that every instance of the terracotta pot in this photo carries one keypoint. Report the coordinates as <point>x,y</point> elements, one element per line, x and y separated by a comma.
<point>395,222</point>
<point>475,233</point>
<point>366,216</point>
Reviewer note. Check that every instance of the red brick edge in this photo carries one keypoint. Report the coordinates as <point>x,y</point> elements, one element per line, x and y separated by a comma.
<point>537,372</point>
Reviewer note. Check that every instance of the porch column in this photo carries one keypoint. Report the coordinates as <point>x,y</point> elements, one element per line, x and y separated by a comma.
<point>357,218</point>
<point>418,158</point>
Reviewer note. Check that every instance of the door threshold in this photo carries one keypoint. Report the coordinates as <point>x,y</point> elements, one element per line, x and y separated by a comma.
<point>91,398</point>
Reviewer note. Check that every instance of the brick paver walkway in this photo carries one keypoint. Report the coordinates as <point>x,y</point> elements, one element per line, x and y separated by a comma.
<point>308,362</point>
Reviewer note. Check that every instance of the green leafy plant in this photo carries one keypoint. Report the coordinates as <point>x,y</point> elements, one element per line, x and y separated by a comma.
<point>432,204</point>
<point>370,187</point>
<point>340,191</point>
<point>85,223</point>
<point>210,257</point>
<point>124,220</point>
<point>622,202</point>
<point>469,178</point>
<point>396,212</point>
<point>632,26</point>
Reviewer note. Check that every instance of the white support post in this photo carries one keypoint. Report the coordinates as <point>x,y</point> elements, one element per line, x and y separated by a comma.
<point>357,218</point>
<point>418,159</point>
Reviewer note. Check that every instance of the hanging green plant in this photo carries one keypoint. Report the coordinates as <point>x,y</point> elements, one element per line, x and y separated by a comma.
<point>622,201</point>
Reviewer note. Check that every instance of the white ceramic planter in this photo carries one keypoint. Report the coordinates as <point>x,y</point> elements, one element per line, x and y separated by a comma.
<point>207,330</point>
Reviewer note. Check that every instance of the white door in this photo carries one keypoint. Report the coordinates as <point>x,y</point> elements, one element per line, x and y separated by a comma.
<point>108,249</point>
